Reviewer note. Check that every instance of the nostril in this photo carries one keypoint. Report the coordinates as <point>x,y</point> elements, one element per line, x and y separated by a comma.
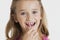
<point>29,18</point>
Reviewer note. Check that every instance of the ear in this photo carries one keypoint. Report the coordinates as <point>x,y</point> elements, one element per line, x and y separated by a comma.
<point>15,18</point>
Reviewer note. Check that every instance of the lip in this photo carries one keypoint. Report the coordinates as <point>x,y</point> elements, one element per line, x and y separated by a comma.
<point>30,24</point>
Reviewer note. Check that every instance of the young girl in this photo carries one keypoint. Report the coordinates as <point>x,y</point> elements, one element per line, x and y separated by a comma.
<point>27,21</point>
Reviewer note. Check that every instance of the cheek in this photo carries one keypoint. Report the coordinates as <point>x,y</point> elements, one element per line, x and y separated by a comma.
<point>38,17</point>
<point>21,20</point>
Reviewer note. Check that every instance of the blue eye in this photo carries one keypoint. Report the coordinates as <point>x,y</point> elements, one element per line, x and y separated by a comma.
<point>23,13</point>
<point>34,12</point>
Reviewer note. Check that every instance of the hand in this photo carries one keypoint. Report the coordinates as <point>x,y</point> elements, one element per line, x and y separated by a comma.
<point>31,35</point>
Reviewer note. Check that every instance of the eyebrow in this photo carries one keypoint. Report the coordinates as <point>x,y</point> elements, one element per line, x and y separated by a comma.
<point>35,9</point>
<point>21,10</point>
<point>24,9</point>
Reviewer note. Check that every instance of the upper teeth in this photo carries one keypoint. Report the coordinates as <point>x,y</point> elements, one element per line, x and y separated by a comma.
<point>30,23</point>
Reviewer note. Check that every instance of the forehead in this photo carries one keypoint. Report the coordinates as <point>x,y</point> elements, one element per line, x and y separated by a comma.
<point>28,4</point>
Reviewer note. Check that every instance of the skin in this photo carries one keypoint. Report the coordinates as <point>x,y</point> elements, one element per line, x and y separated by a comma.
<point>29,12</point>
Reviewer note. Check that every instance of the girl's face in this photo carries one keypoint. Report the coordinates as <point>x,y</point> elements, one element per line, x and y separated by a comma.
<point>28,14</point>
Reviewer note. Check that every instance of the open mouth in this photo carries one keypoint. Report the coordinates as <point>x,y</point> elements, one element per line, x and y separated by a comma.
<point>30,24</point>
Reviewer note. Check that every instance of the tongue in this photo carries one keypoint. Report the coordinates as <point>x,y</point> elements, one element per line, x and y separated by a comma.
<point>30,24</point>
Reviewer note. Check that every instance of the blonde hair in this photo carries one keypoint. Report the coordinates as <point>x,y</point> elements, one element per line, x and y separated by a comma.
<point>16,28</point>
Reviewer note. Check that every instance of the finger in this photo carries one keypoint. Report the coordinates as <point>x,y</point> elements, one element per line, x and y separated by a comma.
<point>33,33</point>
<point>37,37</point>
<point>30,31</point>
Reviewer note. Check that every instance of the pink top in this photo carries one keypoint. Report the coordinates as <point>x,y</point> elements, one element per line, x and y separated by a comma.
<point>45,38</point>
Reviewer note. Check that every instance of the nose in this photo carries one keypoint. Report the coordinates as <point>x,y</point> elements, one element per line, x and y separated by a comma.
<point>29,17</point>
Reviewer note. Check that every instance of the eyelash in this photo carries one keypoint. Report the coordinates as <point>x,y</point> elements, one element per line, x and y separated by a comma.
<point>34,12</point>
<point>22,13</point>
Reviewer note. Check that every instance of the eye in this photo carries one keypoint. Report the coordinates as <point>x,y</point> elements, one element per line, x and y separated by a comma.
<point>34,12</point>
<point>23,13</point>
